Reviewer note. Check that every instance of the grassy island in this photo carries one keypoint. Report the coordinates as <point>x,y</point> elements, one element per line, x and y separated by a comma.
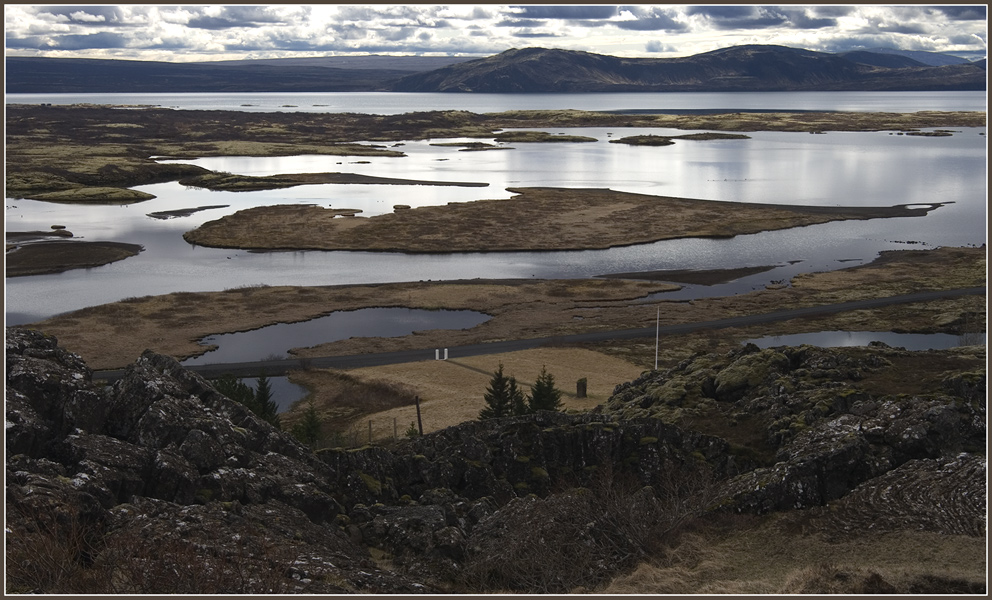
<point>534,219</point>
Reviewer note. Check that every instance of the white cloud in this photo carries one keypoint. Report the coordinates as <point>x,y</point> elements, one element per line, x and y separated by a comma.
<point>215,32</point>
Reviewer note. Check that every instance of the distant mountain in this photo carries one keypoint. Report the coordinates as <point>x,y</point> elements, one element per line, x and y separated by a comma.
<point>881,59</point>
<point>321,74</point>
<point>738,68</point>
<point>933,59</point>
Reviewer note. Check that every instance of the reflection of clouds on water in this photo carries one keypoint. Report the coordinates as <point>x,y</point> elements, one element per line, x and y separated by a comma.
<point>836,339</point>
<point>839,168</point>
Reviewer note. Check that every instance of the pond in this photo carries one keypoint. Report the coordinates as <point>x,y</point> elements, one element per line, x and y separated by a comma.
<point>836,339</point>
<point>274,341</point>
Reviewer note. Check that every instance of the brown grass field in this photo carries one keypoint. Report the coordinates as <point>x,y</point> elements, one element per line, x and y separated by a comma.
<point>533,219</point>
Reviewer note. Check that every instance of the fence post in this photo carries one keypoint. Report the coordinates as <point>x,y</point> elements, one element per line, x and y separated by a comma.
<point>420,424</point>
<point>370,431</point>
<point>394,429</point>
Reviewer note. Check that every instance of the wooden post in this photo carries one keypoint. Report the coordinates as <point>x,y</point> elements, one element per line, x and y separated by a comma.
<point>580,388</point>
<point>370,431</point>
<point>394,429</point>
<point>420,424</point>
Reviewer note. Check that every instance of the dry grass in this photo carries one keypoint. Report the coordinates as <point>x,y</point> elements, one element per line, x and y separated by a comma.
<point>171,324</point>
<point>534,219</point>
<point>763,557</point>
<point>451,391</point>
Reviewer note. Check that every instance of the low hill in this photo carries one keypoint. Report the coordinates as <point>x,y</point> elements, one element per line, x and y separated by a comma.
<point>738,68</point>
<point>26,75</point>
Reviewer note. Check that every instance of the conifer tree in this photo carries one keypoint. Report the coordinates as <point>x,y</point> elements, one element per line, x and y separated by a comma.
<point>518,403</point>
<point>265,407</point>
<point>497,396</point>
<point>308,430</point>
<point>543,394</point>
<point>235,389</point>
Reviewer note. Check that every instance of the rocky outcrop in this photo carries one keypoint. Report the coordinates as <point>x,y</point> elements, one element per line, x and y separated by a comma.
<point>163,471</point>
<point>820,431</point>
<point>117,489</point>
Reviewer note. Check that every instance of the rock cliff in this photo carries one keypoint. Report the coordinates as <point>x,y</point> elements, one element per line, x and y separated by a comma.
<point>118,488</point>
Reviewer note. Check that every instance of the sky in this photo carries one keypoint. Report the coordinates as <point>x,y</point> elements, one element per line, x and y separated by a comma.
<point>186,33</point>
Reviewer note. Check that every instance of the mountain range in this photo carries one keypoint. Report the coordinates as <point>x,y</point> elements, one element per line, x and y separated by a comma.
<point>527,70</point>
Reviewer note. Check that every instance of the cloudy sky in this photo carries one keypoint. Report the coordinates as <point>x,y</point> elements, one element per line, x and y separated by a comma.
<point>217,32</point>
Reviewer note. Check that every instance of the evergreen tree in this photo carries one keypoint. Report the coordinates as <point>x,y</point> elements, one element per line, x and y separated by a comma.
<point>543,394</point>
<point>308,430</point>
<point>265,407</point>
<point>518,403</point>
<point>497,396</point>
<point>235,389</point>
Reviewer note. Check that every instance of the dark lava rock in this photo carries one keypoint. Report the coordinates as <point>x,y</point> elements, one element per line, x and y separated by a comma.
<point>160,484</point>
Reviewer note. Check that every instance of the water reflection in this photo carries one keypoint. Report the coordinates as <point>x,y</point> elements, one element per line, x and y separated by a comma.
<point>275,341</point>
<point>837,339</point>
<point>839,168</point>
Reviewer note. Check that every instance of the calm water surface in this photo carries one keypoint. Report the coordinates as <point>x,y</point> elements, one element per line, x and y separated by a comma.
<point>275,341</point>
<point>838,339</point>
<point>397,103</point>
<point>862,169</point>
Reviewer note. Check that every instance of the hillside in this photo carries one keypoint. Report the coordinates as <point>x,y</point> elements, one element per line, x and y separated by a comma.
<point>330,74</point>
<point>738,68</point>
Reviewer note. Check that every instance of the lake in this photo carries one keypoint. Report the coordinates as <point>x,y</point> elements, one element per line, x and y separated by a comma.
<point>838,168</point>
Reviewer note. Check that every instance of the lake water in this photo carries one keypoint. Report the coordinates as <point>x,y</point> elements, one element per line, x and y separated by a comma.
<point>385,103</point>
<point>862,169</point>
<point>275,341</point>
<point>838,339</point>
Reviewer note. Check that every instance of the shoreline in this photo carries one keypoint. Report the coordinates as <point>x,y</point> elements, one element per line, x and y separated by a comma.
<point>174,323</point>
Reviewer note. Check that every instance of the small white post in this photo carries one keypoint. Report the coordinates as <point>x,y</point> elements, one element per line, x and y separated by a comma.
<point>437,354</point>
<point>445,354</point>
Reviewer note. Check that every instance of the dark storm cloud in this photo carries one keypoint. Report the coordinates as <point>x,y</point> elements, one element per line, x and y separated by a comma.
<point>661,23</point>
<point>33,42</point>
<point>88,41</point>
<point>801,20</point>
<point>650,18</point>
<point>740,17</point>
<point>963,13</point>
<point>900,28</point>
<point>763,17</point>
<point>534,34</point>
<point>213,23</point>
<point>236,16</point>
<point>831,11</point>
<point>567,12</point>
<point>519,23</point>
<point>721,12</point>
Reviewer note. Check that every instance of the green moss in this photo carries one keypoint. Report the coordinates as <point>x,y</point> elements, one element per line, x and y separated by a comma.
<point>644,441</point>
<point>522,458</point>
<point>538,473</point>
<point>373,484</point>
<point>521,485</point>
<point>203,495</point>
